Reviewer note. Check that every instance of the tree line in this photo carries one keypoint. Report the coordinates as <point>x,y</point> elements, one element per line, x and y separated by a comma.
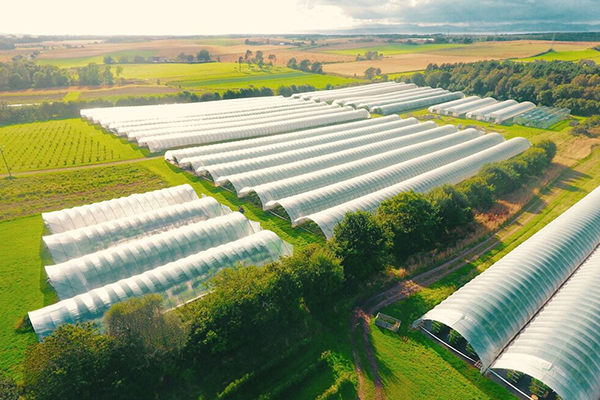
<point>557,83</point>
<point>252,313</point>
<point>305,65</point>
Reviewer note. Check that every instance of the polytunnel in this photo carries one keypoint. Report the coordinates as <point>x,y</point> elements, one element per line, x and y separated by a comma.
<point>289,145</point>
<point>92,214</point>
<point>125,127</point>
<point>97,269</point>
<point>509,112</point>
<point>279,189</point>
<point>76,243</point>
<point>340,90</point>
<point>452,173</point>
<point>410,126</point>
<point>179,156</point>
<point>358,102</point>
<point>402,87</point>
<point>420,94</point>
<point>329,97</point>
<point>439,108</point>
<point>409,105</point>
<point>481,113</point>
<point>462,109</point>
<point>537,310</point>
<point>231,123</point>
<point>245,182</point>
<point>320,199</point>
<point>158,143</point>
<point>178,282</point>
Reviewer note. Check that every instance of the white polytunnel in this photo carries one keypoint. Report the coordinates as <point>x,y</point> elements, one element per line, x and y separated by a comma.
<point>159,143</point>
<point>320,199</point>
<point>461,109</point>
<point>244,182</point>
<point>401,88</point>
<point>92,214</point>
<point>451,173</point>
<point>76,243</point>
<point>420,94</point>
<point>97,269</point>
<point>282,188</point>
<point>231,123</point>
<point>413,104</point>
<point>359,102</point>
<point>178,282</point>
<point>439,108</point>
<point>410,126</point>
<point>289,145</point>
<point>351,89</point>
<point>481,113</point>
<point>180,155</point>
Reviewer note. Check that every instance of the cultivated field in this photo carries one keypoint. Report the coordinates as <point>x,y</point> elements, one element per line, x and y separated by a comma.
<point>575,55</point>
<point>59,144</point>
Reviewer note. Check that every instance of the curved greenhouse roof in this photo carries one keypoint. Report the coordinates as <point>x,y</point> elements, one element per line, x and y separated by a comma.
<point>439,108</point>
<point>179,156</point>
<point>92,214</point>
<point>178,282</point>
<point>243,182</point>
<point>313,201</point>
<point>221,170</point>
<point>490,310</point>
<point>561,345</point>
<point>412,104</point>
<point>279,189</point>
<point>90,239</point>
<point>158,143</point>
<point>449,174</point>
<point>97,269</point>
<point>481,113</point>
<point>291,145</point>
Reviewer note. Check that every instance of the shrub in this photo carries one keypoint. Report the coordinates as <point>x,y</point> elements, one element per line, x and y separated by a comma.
<point>453,208</point>
<point>478,192</point>
<point>360,242</point>
<point>8,388</point>
<point>411,222</point>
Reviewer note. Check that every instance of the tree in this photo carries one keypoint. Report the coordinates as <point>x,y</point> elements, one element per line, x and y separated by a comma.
<point>149,341</point>
<point>272,58</point>
<point>123,60</point>
<point>418,79</point>
<point>284,91</point>
<point>240,62</point>
<point>107,76</point>
<point>248,55</point>
<point>479,193</point>
<point>304,65</point>
<point>452,206</point>
<point>378,71</point>
<point>8,388</point>
<point>119,70</point>
<point>370,73</point>
<point>411,222</point>
<point>182,57</point>
<point>292,63</point>
<point>139,59</point>
<point>72,363</point>
<point>108,60</point>
<point>359,241</point>
<point>316,68</point>
<point>259,57</point>
<point>203,56</point>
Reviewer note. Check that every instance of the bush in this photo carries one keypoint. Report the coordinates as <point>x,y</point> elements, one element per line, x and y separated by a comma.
<point>75,362</point>
<point>502,178</point>
<point>8,388</point>
<point>360,242</point>
<point>452,206</point>
<point>549,148</point>
<point>478,192</point>
<point>411,222</point>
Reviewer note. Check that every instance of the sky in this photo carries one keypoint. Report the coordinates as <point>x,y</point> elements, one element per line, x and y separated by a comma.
<point>202,17</point>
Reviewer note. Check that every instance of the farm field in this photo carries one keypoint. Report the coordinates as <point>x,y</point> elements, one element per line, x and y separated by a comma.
<point>406,361</point>
<point>59,144</point>
<point>575,55</point>
<point>389,49</point>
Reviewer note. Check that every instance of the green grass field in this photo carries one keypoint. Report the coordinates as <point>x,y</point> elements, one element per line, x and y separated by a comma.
<point>83,61</point>
<point>223,76</point>
<point>59,144</point>
<point>396,48</point>
<point>574,55</point>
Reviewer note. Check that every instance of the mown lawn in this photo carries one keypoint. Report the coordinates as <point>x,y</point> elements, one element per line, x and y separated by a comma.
<point>59,144</point>
<point>414,366</point>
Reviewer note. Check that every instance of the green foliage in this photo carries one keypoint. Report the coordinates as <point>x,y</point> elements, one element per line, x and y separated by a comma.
<point>538,388</point>
<point>8,388</point>
<point>360,242</point>
<point>454,337</point>
<point>203,56</point>
<point>589,128</point>
<point>452,206</point>
<point>555,83</point>
<point>250,308</point>
<point>514,376</point>
<point>26,74</point>
<point>75,362</point>
<point>476,189</point>
<point>148,342</point>
<point>411,222</point>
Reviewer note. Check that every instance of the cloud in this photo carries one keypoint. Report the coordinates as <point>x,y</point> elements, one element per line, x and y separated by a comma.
<point>467,12</point>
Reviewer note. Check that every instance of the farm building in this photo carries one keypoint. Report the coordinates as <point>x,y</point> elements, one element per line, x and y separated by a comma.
<point>168,242</point>
<point>536,310</point>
